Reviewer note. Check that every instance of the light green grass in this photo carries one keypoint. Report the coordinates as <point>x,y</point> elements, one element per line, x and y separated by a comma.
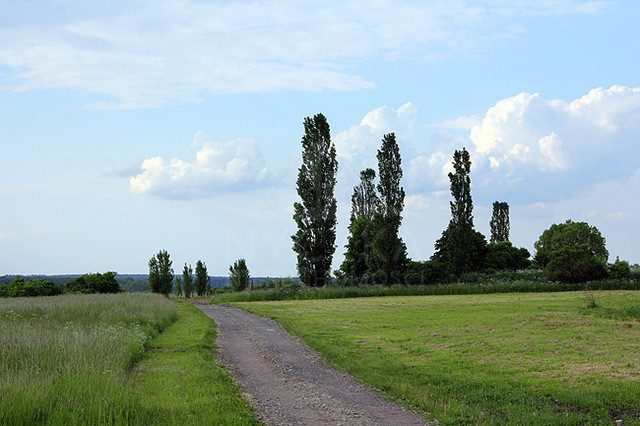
<point>540,358</point>
<point>70,360</point>
<point>179,381</point>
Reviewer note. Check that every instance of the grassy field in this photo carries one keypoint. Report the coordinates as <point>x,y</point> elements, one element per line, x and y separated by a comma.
<point>72,360</point>
<point>543,358</point>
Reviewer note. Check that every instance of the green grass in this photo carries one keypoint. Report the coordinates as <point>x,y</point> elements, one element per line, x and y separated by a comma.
<point>543,358</point>
<point>180,382</point>
<point>72,360</point>
<point>300,292</point>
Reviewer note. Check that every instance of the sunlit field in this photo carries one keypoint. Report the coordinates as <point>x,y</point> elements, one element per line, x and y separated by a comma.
<point>544,358</point>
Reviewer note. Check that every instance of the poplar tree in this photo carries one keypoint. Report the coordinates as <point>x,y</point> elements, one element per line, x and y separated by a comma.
<point>389,255</point>
<point>202,278</point>
<point>365,204</point>
<point>187,281</point>
<point>315,214</point>
<point>161,273</point>
<point>239,275</point>
<point>499,222</point>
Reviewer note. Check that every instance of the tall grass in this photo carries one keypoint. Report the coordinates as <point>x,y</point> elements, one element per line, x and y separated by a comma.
<point>300,292</point>
<point>66,359</point>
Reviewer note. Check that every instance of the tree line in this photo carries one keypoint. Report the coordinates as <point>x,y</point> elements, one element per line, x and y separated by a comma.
<point>376,254</point>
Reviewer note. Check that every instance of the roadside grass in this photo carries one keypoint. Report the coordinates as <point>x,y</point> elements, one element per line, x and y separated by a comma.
<point>71,359</point>
<point>179,382</point>
<point>65,359</point>
<point>544,358</point>
<point>301,292</point>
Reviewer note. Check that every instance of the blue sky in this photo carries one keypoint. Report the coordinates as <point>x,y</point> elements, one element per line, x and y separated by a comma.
<point>129,127</point>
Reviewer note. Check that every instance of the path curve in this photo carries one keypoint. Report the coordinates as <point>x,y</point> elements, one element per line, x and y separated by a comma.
<point>289,383</point>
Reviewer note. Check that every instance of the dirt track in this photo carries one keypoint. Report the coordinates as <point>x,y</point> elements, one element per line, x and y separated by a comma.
<point>289,383</point>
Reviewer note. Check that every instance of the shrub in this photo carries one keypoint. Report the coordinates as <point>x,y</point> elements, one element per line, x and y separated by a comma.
<point>19,287</point>
<point>620,270</point>
<point>94,283</point>
<point>575,264</point>
<point>428,272</point>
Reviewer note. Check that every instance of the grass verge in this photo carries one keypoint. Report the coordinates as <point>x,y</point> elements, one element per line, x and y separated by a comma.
<point>300,292</point>
<point>541,358</point>
<point>179,381</point>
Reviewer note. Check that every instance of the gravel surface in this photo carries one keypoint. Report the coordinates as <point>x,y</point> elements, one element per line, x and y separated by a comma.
<point>289,383</point>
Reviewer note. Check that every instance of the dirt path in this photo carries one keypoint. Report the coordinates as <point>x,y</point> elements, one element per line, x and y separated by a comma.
<point>289,383</point>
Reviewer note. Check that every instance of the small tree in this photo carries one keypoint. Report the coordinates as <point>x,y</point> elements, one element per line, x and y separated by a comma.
<point>499,222</point>
<point>202,278</point>
<point>161,273</point>
<point>570,234</point>
<point>239,275</point>
<point>94,283</point>
<point>187,281</point>
<point>177,288</point>
<point>315,214</point>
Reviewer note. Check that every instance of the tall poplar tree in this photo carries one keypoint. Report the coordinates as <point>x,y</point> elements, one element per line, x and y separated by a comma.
<point>315,214</point>
<point>161,273</point>
<point>499,222</point>
<point>461,247</point>
<point>365,204</point>
<point>389,255</point>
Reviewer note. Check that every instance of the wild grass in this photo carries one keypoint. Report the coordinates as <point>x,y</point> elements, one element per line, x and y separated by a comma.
<point>544,358</point>
<point>293,291</point>
<point>100,359</point>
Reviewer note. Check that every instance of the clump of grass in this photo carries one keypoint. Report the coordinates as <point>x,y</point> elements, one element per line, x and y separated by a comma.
<point>66,359</point>
<point>590,300</point>
<point>300,292</point>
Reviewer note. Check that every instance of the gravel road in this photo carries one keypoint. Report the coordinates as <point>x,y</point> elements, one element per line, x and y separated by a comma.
<point>288,383</point>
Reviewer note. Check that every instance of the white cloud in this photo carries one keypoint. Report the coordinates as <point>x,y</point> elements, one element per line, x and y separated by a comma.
<point>152,53</point>
<point>218,166</point>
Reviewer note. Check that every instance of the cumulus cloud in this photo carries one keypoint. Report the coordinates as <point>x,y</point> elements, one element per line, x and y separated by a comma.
<point>144,53</point>
<point>533,143</point>
<point>218,167</point>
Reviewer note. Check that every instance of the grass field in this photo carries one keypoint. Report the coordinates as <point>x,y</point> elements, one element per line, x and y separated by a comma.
<point>73,360</point>
<point>543,358</point>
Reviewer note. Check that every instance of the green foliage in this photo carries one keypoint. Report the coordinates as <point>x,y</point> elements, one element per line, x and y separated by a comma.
<point>356,259</point>
<point>187,281</point>
<point>462,249</point>
<point>570,234</point>
<point>575,264</point>
<point>620,270</point>
<point>239,275</point>
<point>364,201</point>
<point>177,288</point>
<point>428,272</point>
<point>94,283</point>
<point>161,273</point>
<point>202,278</point>
<point>388,259</point>
<point>503,255</point>
<point>315,214</point>
<point>19,287</point>
<point>499,222</point>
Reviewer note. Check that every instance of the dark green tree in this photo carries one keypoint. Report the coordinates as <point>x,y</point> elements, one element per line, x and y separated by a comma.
<point>161,273</point>
<point>388,259</point>
<point>570,234</point>
<point>620,270</point>
<point>177,288</point>
<point>365,204</point>
<point>239,275</point>
<point>202,278</point>
<point>574,264</point>
<point>499,222</point>
<point>461,247</point>
<point>94,283</point>
<point>19,287</point>
<point>504,256</point>
<point>187,281</point>
<point>315,214</point>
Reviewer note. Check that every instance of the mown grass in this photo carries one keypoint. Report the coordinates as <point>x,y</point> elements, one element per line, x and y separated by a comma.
<point>179,381</point>
<point>300,292</point>
<point>69,360</point>
<point>541,358</point>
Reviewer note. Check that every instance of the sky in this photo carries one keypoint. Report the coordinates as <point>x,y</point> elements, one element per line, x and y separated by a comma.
<point>127,127</point>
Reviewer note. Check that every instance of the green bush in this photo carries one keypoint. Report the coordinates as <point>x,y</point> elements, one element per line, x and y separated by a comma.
<point>94,283</point>
<point>575,264</point>
<point>620,270</point>
<point>19,287</point>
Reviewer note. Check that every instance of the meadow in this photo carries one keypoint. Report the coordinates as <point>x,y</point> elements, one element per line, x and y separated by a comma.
<point>537,358</point>
<point>85,359</point>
